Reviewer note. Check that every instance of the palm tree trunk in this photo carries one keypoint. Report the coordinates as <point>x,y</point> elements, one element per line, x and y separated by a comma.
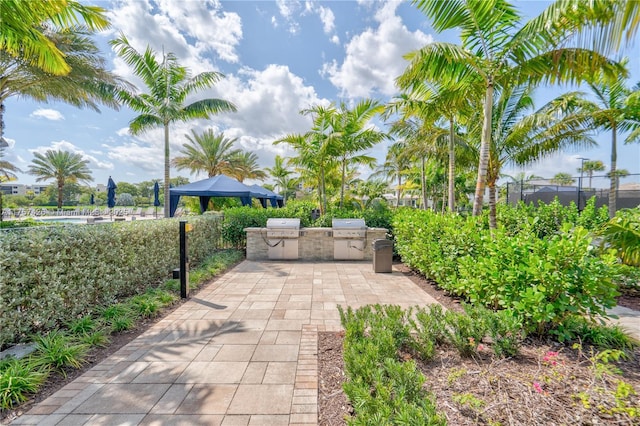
<point>613,188</point>
<point>60,188</point>
<point>423,183</point>
<point>166,171</point>
<point>590,177</point>
<point>344,172</point>
<point>323,195</point>
<point>484,149</point>
<point>398,191</point>
<point>452,164</point>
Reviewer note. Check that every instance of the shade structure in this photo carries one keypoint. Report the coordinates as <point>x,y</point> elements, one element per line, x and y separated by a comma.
<point>156,194</point>
<point>111,193</point>
<point>216,186</point>
<point>267,195</point>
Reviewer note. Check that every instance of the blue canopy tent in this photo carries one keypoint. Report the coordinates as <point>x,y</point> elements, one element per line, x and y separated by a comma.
<point>275,199</point>
<point>217,186</point>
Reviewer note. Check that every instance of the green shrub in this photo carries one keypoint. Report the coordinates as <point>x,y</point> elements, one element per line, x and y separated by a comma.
<point>56,273</point>
<point>623,233</point>
<point>59,351</point>
<point>82,325</point>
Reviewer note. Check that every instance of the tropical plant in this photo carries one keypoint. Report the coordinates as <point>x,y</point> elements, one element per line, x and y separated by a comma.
<point>86,84</point>
<point>369,191</point>
<point>63,166</point>
<point>7,173</point>
<point>355,135</point>
<point>316,150</point>
<point>589,167</point>
<point>562,179</point>
<point>206,152</point>
<point>498,51</point>
<point>169,85</point>
<point>623,233</point>
<point>244,165</point>
<point>281,175</point>
<point>24,30</point>
<point>611,111</point>
<point>395,166</point>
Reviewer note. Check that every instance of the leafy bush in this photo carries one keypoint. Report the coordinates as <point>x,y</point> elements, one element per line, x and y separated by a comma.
<point>58,350</point>
<point>623,233</point>
<point>49,275</point>
<point>19,378</point>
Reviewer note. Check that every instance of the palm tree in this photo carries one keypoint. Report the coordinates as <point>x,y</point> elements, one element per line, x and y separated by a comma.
<point>87,84</point>
<point>498,51</point>
<point>281,176</point>
<point>316,157</point>
<point>562,179</point>
<point>395,166</point>
<point>589,167</point>
<point>244,165</point>
<point>206,152</point>
<point>63,166</point>
<point>612,111</point>
<point>354,136</point>
<point>619,173</point>
<point>169,85</point>
<point>521,136</point>
<point>7,173</point>
<point>26,26</point>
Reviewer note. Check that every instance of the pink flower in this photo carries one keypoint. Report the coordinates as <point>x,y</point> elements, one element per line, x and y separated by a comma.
<point>537,387</point>
<point>549,358</point>
<point>480,347</point>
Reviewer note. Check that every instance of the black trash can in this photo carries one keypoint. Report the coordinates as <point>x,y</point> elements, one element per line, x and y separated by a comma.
<point>382,255</point>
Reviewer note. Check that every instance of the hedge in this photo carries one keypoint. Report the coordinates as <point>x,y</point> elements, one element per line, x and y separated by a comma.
<point>51,275</point>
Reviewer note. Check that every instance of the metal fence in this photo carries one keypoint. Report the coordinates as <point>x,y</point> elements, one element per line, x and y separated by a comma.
<point>579,191</point>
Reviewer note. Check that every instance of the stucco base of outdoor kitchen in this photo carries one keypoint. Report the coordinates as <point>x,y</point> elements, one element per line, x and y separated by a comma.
<point>313,243</point>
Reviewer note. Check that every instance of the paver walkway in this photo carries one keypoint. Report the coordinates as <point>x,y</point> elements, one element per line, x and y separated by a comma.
<point>243,351</point>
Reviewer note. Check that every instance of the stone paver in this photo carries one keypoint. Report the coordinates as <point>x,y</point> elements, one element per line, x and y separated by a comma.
<point>243,351</point>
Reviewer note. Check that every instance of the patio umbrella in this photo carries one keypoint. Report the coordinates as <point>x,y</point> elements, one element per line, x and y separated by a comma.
<point>156,196</point>
<point>111,193</point>
<point>92,200</point>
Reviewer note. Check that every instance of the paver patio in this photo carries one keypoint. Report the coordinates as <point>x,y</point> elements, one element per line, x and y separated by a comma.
<point>243,351</point>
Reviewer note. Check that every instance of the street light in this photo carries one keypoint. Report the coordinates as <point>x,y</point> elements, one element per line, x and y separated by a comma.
<point>580,181</point>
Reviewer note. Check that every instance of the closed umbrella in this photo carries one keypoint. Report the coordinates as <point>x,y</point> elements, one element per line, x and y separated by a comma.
<point>156,197</point>
<point>111,194</point>
<point>92,200</point>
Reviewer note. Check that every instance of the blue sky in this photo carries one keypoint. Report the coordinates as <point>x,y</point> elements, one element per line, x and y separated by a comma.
<point>278,57</point>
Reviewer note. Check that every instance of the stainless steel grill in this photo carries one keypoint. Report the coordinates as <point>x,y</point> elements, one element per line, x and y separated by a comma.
<point>282,238</point>
<point>348,238</point>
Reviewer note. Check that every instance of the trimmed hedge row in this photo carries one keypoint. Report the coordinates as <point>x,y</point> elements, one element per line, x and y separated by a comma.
<point>544,280</point>
<point>51,275</point>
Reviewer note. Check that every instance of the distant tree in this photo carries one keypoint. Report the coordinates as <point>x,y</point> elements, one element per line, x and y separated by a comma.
<point>206,152</point>
<point>62,166</point>
<point>244,165</point>
<point>169,86</point>
<point>125,199</point>
<point>7,172</point>
<point>177,181</point>
<point>563,179</point>
<point>619,173</point>
<point>127,188</point>
<point>282,176</point>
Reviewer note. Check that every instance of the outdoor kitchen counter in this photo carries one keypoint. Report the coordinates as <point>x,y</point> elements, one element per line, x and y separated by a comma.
<point>314,243</point>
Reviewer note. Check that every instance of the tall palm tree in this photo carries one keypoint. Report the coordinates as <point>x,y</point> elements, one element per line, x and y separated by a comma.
<point>206,152</point>
<point>497,51</point>
<point>562,179</point>
<point>86,85</point>
<point>521,135</point>
<point>63,166</point>
<point>280,173</point>
<point>612,111</point>
<point>169,85</point>
<point>24,33</point>
<point>354,136</point>
<point>395,166</point>
<point>316,152</point>
<point>244,165</point>
<point>589,167</point>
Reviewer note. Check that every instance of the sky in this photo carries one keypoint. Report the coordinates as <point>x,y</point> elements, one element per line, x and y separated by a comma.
<point>278,57</point>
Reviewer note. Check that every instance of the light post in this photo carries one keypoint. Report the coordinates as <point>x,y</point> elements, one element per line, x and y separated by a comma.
<point>580,181</point>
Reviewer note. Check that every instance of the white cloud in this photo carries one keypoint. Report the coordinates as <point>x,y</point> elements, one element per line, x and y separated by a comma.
<point>328,19</point>
<point>94,162</point>
<point>374,58</point>
<point>335,39</point>
<point>287,9</point>
<point>191,30</point>
<point>49,114</point>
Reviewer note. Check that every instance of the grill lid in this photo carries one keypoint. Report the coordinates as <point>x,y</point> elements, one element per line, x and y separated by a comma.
<point>348,224</point>
<point>279,223</point>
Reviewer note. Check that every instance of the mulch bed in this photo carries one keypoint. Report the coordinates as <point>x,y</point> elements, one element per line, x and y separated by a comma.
<point>541,386</point>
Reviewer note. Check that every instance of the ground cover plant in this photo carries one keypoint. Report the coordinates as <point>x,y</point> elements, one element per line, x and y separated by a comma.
<point>466,379</point>
<point>62,351</point>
